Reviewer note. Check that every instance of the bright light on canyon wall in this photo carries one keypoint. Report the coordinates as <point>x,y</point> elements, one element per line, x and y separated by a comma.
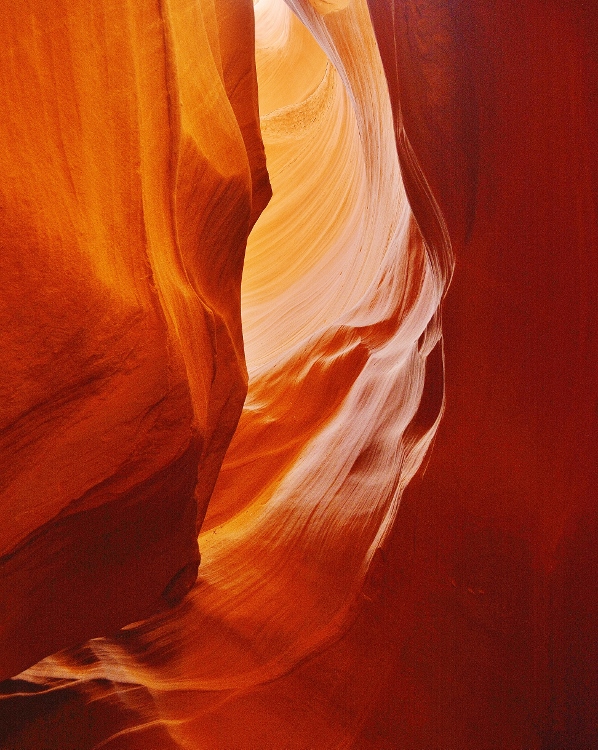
<point>228,230</point>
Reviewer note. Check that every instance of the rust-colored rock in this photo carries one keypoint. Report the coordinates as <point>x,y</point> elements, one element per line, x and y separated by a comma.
<point>498,101</point>
<point>323,615</point>
<point>132,169</point>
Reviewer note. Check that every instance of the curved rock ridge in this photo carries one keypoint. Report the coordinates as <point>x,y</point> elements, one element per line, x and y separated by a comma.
<point>133,169</point>
<point>340,305</point>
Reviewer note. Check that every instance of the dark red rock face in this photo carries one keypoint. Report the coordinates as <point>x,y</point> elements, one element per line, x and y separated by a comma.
<point>499,103</point>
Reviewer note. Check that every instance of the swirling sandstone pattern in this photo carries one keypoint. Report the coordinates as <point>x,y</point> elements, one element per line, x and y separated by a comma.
<point>122,355</point>
<point>340,301</point>
<point>316,620</point>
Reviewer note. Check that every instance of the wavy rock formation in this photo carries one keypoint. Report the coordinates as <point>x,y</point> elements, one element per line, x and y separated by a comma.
<point>122,355</point>
<point>323,615</point>
<point>340,307</point>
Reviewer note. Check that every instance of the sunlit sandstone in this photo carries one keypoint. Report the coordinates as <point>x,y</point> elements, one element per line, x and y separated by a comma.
<point>340,299</point>
<point>122,356</point>
<point>323,616</point>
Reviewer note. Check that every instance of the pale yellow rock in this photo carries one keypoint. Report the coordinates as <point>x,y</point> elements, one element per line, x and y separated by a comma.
<point>329,6</point>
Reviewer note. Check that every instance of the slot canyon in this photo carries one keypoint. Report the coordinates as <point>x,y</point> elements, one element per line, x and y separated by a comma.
<point>299,393</point>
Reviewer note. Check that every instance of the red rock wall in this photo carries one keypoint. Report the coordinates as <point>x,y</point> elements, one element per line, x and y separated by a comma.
<point>499,103</point>
<point>324,615</point>
<point>339,300</point>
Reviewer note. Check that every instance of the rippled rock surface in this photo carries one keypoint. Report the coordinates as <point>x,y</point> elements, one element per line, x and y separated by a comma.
<point>133,169</point>
<point>324,615</point>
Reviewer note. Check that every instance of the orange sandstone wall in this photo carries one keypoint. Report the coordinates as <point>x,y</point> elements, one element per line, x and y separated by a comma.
<point>340,301</point>
<point>122,357</point>
<point>325,616</point>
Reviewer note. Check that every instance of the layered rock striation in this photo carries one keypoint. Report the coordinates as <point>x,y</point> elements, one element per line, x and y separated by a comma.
<point>122,354</point>
<point>340,305</point>
<point>323,615</point>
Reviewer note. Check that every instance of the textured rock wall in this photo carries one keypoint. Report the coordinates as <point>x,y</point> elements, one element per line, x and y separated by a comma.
<point>340,303</point>
<point>324,616</point>
<point>122,356</point>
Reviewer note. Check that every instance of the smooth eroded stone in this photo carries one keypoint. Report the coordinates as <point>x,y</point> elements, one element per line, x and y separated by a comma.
<point>133,169</point>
